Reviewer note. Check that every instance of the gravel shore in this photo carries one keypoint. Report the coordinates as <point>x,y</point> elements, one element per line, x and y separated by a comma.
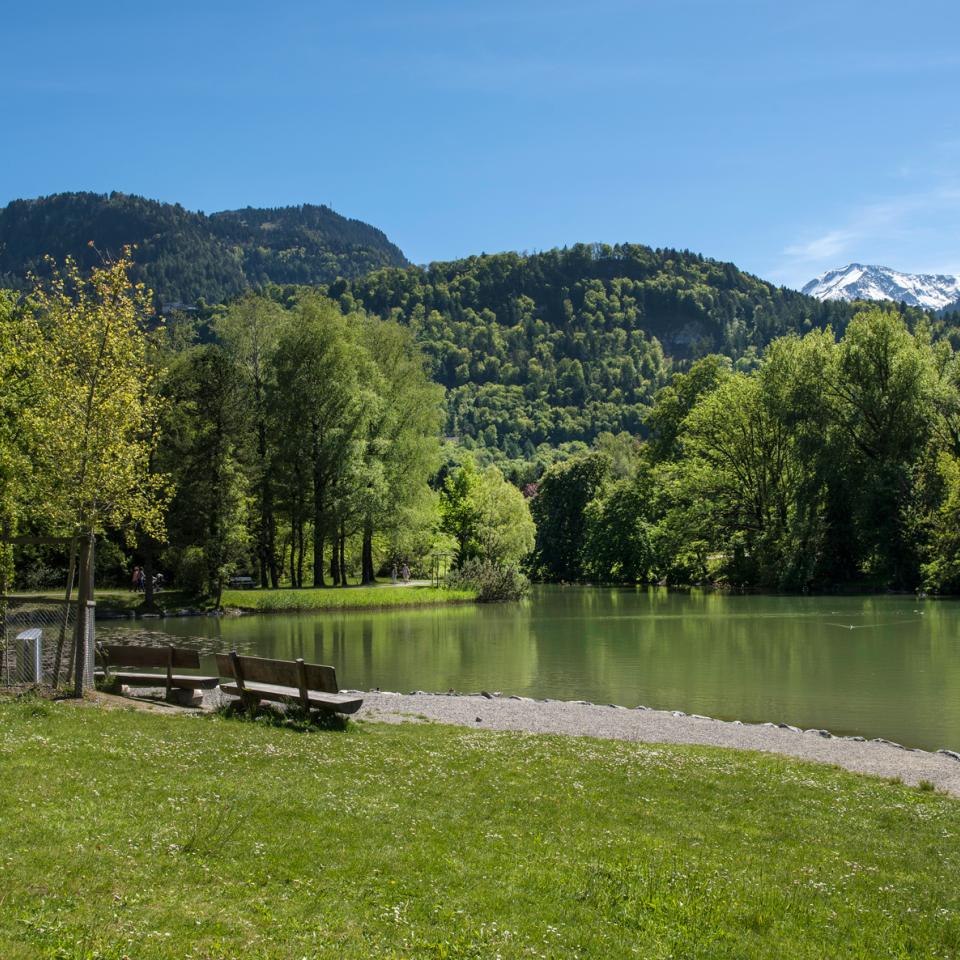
<point>487,712</point>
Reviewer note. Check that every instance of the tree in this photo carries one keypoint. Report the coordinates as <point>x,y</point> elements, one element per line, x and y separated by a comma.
<point>249,330</point>
<point>618,523</point>
<point>318,396</point>
<point>488,518</point>
<point>674,402</point>
<point>402,451</point>
<point>90,425</point>
<point>204,442</point>
<point>559,509</point>
<point>882,389</point>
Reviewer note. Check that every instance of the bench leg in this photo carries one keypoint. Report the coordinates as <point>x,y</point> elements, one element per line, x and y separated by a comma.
<point>185,697</point>
<point>250,702</point>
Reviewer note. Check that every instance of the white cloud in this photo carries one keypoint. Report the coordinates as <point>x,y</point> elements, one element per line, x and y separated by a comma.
<point>912,231</point>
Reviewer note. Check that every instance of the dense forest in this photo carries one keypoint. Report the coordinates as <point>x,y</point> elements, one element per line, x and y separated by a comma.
<point>186,257</point>
<point>561,346</point>
<point>833,461</point>
<point>616,414</point>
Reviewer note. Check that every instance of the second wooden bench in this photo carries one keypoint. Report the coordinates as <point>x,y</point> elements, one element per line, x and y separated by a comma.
<point>309,684</point>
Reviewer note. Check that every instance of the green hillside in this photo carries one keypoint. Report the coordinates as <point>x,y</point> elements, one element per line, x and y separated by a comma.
<point>185,256</point>
<point>562,345</point>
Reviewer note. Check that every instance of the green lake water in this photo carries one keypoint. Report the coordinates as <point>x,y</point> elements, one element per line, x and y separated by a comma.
<point>875,666</point>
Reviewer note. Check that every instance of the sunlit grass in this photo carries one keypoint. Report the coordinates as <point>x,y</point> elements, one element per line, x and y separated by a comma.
<point>349,598</point>
<point>126,834</point>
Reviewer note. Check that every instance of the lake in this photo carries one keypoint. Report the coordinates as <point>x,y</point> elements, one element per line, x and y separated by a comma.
<point>878,666</point>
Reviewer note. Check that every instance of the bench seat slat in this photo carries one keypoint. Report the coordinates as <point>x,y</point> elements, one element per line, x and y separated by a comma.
<point>185,681</point>
<point>341,702</point>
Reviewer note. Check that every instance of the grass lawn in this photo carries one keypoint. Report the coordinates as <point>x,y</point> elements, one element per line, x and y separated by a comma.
<point>124,834</point>
<point>348,598</point>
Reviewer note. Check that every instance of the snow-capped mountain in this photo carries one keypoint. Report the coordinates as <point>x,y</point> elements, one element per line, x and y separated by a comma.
<point>859,282</point>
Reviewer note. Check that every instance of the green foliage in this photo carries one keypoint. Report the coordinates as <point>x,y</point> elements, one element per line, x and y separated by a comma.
<point>492,581</point>
<point>301,434</point>
<point>560,512</point>
<point>185,257</point>
<point>810,469</point>
<point>618,532</point>
<point>941,572</point>
<point>488,518</point>
<point>567,344</point>
<point>86,423</point>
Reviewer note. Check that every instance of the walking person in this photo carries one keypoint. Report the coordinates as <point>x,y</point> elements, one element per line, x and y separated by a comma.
<point>393,575</point>
<point>141,581</point>
<point>405,573</point>
<point>135,580</point>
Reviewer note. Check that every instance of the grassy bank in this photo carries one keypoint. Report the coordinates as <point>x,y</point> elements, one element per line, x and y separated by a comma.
<point>349,598</point>
<point>126,834</point>
<point>273,601</point>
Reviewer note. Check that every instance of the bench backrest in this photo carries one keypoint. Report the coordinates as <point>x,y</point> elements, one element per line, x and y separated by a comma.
<point>284,673</point>
<point>129,655</point>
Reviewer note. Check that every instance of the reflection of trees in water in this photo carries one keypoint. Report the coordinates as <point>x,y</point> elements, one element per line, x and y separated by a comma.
<point>750,657</point>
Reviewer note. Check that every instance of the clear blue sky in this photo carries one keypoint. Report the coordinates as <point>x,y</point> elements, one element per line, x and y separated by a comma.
<point>786,136</point>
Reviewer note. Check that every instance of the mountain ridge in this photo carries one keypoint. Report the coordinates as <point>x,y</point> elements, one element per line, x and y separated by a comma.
<point>185,256</point>
<point>857,281</point>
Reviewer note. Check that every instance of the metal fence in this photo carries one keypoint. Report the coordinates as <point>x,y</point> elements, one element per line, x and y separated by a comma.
<point>39,643</point>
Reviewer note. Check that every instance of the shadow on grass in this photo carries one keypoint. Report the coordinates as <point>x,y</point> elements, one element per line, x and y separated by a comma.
<point>291,717</point>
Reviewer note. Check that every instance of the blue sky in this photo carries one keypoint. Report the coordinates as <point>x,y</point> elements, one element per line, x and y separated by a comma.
<point>788,137</point>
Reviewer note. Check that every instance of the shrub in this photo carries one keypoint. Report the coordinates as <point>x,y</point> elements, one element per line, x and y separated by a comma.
<point>492,581</point>
<point>191,572</point>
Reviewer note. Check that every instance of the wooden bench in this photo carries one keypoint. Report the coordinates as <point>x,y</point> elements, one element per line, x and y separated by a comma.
<point>167,659</point>
<point>309,684</point>
<point>241,583</point>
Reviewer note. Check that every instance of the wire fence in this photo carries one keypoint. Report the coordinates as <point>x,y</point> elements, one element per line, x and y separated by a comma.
<point>39,643</point>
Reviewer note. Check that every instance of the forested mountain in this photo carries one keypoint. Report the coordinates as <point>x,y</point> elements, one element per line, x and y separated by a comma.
<point>562,345</point>
<point>185,256</point>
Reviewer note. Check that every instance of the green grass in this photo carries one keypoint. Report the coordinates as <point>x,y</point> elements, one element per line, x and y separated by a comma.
<point>124,834</point>
<point>273,601</point>
<point>350,598</point>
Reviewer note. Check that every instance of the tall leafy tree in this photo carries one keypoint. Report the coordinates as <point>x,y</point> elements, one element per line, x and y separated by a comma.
<point>249,330</point>
<point>90,424</point>
<point>204,446</point>
<point>402,444</point>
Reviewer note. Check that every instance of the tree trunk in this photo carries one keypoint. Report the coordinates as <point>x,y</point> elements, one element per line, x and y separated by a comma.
<point>71,574</point>
<point>318,532</point>
<point>272,551</point>
<point>293,553</point>
<point>148,604</point>
<point>343,559</point>
<point>318,580</point>
<point>334,560</point>
<point>300,554</point>
<point>84,595</point>
<point>367,573</point>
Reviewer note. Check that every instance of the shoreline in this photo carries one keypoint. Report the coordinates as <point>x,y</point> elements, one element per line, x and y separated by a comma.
<point>484,711</point>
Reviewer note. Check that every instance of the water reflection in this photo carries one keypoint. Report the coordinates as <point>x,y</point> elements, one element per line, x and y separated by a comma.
<point>877,666</point>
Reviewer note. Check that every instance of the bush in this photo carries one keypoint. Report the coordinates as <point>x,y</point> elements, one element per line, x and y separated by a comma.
<point>493,582</point>
<point>111,564</point>
<point>190,572</point>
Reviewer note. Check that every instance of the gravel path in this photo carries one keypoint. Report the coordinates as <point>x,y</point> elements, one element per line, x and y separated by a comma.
<point>877,757</point>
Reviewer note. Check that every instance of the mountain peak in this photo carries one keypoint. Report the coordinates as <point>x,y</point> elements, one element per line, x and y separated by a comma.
<point>857,281</point>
